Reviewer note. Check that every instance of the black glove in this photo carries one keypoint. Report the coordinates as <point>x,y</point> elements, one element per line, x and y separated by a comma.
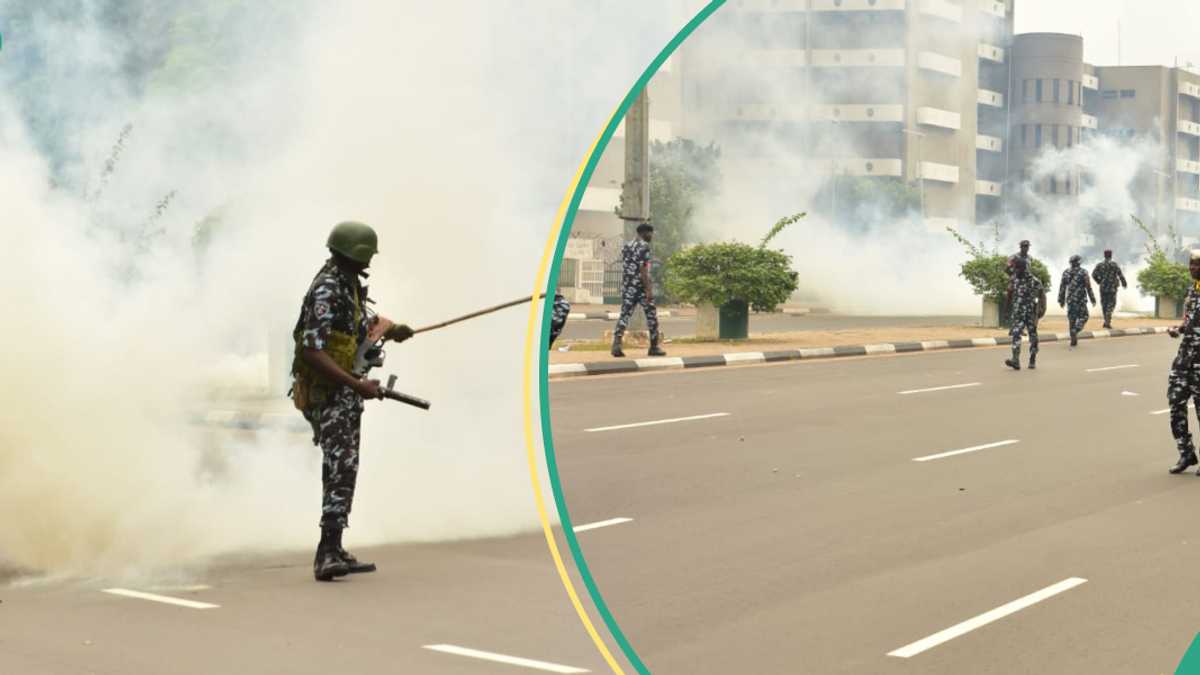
<point>398,333</point>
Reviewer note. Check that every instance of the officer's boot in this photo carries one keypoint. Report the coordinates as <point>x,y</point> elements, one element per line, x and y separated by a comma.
<point>616,347</point>
<point>327,564</point>
<point>1187,456</point>
<point>353,565</point>
<point>1015,361</point>
<point>1074,337</point>
<point>1033,361</point>
<point>654,349</point>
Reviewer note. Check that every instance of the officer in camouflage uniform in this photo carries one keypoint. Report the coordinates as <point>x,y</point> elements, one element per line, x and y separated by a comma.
<point>1074,291</point>
<point>637,289</point>
<point>1183,382</point>
<point>1027,299</point>
<point>558,320</point>
<point>1107,275</point>
<point>333,322</point>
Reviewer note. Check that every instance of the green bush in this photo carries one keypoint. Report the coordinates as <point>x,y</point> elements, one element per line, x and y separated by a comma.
<point>988,275</point>
<point>719,272</point>
<point>1163,277</point>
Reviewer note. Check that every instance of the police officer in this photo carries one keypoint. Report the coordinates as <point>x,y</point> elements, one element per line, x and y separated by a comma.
<point>1027,297</point>
<point>1074,291</point>
<point>1183,382</point>
<point>1107,275</point>
<point>562,310</point>
<point>333,323</point>
<point>637,289</point>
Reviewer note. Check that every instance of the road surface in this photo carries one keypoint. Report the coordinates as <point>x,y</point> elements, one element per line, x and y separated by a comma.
<point>785,526</point>
<point>685,326</point>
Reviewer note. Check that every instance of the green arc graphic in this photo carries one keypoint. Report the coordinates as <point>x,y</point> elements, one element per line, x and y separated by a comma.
<point>547,310</point>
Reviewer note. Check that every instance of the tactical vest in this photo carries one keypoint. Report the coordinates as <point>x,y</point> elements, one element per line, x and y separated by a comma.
<point>310,388</point>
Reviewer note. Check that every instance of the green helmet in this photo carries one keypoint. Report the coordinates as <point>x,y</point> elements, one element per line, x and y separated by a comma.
<point>354,240</point>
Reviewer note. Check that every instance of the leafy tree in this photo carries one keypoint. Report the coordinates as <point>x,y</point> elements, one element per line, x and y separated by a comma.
<point>863,200</point>
<point>683,173</point>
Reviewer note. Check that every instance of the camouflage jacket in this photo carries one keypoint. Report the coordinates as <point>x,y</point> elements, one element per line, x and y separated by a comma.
<point>329,307</point>
<point>1028,294</point>
<point>1075,289</point>
<point>562,310</point>
<point>636,257</point>
<point>1108,275</point>
<point>1189,343</point>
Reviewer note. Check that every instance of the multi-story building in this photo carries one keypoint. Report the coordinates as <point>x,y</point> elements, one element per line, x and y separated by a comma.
<point>1058,101</point>
<point>909,89</point>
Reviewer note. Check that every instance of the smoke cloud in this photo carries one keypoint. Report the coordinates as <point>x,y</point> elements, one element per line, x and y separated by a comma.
<point>868,259</point>
<point>169,176</point>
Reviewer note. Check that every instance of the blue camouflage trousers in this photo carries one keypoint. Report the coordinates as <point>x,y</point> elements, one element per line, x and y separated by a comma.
<point>1182,386</point>
<point>1026,324</point>
<point>631,297</point>
<point>1108,302</point>
<point>1077,316</point>
<point>337,429</point>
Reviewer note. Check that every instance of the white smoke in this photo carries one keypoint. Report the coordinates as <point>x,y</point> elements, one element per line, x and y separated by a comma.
<point>452,128</point>
<point>872,261</point>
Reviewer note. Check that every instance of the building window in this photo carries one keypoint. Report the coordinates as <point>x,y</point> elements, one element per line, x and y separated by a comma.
<point>1109,93</point>
<point>1053,185</point>
<point>1056,95</point>
<point>1079,93</point>
<point>1070,92</point>
<point>1024,135</point>
<point>1056,135</point>
<point>1037,136</point>
<point>1039,91</point>
<point>1025,88</point>
<point>1128,93</point>
<point>1070,136</point>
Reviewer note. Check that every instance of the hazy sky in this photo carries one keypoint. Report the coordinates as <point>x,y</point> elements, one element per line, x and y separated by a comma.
<point>1153,32</point>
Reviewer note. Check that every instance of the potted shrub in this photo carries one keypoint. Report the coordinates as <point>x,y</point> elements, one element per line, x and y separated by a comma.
<point>987,272</point>
<point>1168,282</point>
<point>725,280</point>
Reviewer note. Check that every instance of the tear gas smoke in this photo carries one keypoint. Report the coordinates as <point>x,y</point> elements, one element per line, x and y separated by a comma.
<point>868,259</point>
<point>446,126</point>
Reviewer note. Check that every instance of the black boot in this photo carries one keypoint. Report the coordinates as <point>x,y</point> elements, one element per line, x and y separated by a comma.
<point>353,566</point>
<point>1015,361</point>
<point>1033,361</point>
<point>616,348</point>
<point>1185,460</point>
<point>327,564</point>
<point>1074,338</point>
<point>654,349</point>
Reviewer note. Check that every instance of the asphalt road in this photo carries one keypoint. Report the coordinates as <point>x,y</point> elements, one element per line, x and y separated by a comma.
<point>498,596</point>
<point>685,326</point>
<point>796,533</point>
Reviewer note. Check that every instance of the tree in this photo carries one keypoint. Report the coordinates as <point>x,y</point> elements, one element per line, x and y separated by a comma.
<point>864,200</point>
<point>683,174</point>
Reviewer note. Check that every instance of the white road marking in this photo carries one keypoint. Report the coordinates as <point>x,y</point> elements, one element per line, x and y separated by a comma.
<point>1130,393</point>
<point>651,423</point>
<point>182,589</point>
<point>160,598</point>
<point>986,618</point>
<point>952,386</point>
<point>501,658</point>
<point>965,450</point>
<point>1099,370</point>
<point>602,523</point>
<point>1164,411</point>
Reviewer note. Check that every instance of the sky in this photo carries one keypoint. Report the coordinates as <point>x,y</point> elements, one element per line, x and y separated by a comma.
<point>1153,32</point>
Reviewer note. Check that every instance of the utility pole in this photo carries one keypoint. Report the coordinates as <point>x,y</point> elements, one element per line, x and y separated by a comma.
<point>635,190</point>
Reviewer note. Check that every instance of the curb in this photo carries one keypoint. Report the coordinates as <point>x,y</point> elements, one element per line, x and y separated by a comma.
<point>246,421</point>
<point>567,370</point>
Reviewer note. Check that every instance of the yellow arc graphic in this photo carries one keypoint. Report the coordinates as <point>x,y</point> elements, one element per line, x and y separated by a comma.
<point>530,443</point>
